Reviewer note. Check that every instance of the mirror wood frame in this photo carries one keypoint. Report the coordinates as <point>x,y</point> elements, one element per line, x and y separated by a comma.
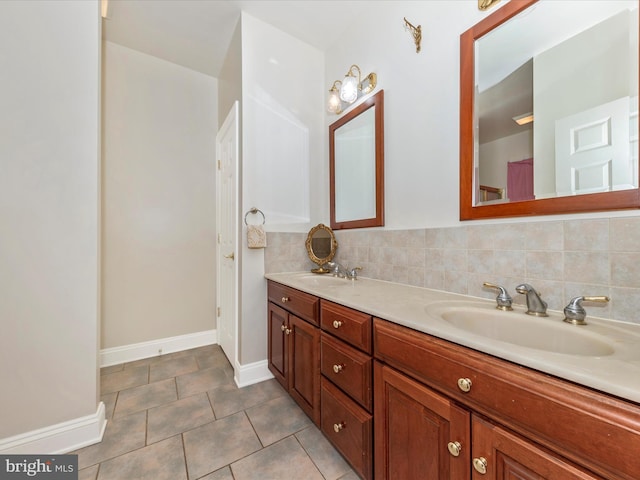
<point>376,101</point>
<point>594,202</point>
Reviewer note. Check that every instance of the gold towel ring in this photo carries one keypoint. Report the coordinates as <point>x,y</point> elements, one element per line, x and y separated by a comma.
<point>254,211</point>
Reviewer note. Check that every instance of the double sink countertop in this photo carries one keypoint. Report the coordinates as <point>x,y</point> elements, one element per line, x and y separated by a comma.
<point>604,354</point>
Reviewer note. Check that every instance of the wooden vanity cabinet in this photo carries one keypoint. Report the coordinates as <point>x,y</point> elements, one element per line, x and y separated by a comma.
<point>347,384</point>
<point>294,345</point>
<point>523,424</point>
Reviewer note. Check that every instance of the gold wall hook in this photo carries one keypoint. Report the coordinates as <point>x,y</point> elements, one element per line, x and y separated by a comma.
<point>486,4</point>
<point>416,32</point>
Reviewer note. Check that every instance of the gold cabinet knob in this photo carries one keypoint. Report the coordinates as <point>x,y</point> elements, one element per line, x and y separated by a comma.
<point>338,368</point>
<point>231,256</point>
<point>464,384</point>
<point>283,327</point>
<point>338,426</point>
<point>454,448</point>
<point>480,465</point>
<point>337,324</point>
<point>285,299</point>
<point>287,331</point>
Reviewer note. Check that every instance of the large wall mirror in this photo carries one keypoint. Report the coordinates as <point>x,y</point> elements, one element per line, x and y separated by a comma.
<point>356,166</point>
<point>549,109</point>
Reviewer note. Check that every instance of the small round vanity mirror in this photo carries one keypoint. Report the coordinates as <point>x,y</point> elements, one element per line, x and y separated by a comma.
<point>321,246</point>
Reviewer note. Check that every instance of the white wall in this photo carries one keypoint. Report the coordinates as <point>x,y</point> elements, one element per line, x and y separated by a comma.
<point>282,78</point>
<point>160,122</point>
<point>49,212</point>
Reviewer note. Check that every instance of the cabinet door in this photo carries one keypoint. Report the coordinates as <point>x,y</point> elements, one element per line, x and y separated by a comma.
<point>413,429</point>
<point>304,366</point>
<point>502,455</point>
<point>278,346</point>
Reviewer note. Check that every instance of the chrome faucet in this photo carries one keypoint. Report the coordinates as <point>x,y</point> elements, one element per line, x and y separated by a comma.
<point>535,305</point>
<point>338,270</point>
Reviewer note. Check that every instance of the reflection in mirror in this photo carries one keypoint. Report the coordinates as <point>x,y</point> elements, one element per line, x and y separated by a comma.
<point>549,108</point>
<point>356,146</point>
<point>321,247</point>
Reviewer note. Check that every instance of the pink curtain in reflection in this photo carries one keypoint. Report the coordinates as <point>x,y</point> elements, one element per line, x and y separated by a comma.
<point>520,180</point>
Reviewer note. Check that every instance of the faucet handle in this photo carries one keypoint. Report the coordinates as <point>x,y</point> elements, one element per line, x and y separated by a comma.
<point>353,273</point>
<point>503,299</point>
<point>574,312</point>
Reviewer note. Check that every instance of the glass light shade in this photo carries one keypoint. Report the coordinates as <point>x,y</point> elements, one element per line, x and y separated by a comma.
<point>334,101</point>
<point>349,89</point>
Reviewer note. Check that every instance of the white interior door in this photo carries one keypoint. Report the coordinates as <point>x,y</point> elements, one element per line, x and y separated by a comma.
<point>226,221</point>
<point>593,150</point>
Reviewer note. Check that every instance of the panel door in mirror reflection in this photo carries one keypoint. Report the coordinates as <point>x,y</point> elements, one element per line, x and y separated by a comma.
<point>356,146</point>
<point>548,80</point>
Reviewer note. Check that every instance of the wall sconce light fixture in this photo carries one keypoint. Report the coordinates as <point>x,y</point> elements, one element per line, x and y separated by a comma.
<point>416,33</point>
<point>350,88</point>
<point>486,4</point>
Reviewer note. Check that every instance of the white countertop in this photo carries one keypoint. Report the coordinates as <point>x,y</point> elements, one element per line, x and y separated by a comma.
<point>617,372</point>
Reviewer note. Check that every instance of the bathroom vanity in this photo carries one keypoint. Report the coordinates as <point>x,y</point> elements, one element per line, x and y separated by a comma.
<point>403,393</point>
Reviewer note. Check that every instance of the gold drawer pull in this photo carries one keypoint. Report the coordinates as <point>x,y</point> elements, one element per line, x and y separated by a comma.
<point>338,426</point>
<point>285,299</point>
<point>337,324</point>
<point>338,368</point>
<point>464,384</point>
<point>454,448</point>
<point>480,465</point>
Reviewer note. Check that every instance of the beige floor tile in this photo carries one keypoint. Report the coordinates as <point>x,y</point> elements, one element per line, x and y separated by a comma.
<point>202,381</point>
<point>230,399</point>
<point>121,436</point>
<point>285,460</point>
<point>111,369</point>
<point>89,473</point>
<point>126,378</point>
<point>161,461</point>
<point>324,456</point>
<point>216,444</point>
<point>277,419</point>
<point>144,397</point>
<point>222,474</point>
<point>177,417</point>
<point>172,367</point>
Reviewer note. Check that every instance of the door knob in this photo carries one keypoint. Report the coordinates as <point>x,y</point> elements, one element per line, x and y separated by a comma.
<point>230,256</point>
<point>464,384</point>
<point>338,426</point>
<point>480,465</point>
<point>454,448</point>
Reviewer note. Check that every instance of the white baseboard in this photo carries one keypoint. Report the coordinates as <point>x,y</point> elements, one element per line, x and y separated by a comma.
<point>60,438</point>
<point>136,351</point>
<point>251,373</point>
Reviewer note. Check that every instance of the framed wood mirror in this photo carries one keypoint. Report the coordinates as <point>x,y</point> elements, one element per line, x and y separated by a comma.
<point>601,70</point>
<point>356,166</point>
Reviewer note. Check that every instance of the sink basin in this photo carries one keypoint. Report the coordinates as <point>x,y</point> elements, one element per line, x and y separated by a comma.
<point>515,327</point>
<point>323,280</point>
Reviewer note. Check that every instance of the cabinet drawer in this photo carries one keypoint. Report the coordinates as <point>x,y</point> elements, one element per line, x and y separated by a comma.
<point>348,428</point>
<point>348,368</point>
<point>592,429</point>
<point>349,325</point>
<point>299,303</point>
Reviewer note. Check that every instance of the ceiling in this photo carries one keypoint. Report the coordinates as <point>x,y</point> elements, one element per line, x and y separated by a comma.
<point>196,33</point>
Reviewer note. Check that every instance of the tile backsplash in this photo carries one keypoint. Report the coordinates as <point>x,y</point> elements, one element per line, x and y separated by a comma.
<point>560,259</point>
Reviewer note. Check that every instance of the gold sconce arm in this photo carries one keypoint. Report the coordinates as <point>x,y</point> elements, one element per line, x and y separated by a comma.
<point>416,33</point>
<point>486,4</point>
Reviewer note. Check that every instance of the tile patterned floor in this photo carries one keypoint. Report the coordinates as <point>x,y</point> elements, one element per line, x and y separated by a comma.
<point>181,417</point>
